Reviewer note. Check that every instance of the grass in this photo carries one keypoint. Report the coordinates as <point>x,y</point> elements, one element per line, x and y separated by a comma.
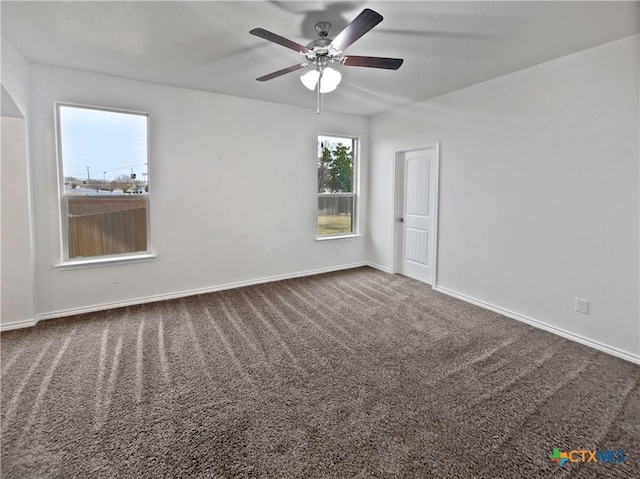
<point>334,224</point>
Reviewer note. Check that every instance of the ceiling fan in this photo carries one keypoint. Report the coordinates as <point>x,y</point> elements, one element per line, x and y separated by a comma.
<point>323,52</point>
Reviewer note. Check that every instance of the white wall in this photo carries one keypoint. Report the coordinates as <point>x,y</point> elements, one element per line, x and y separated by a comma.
<point>16,284</point>
<point>539,196</point>
<point>232,182</point>
<point>17,267</point>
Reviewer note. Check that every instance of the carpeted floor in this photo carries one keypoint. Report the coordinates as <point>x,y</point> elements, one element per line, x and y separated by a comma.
<point>355,374</point>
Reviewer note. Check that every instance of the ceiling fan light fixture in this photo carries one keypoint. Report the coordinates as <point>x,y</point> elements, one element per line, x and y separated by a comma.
<point>330,80</point>
<point>310,79</point>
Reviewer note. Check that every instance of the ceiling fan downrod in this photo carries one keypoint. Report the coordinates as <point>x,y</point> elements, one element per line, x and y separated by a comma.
<point>318,106</point>
<point>323,29</point>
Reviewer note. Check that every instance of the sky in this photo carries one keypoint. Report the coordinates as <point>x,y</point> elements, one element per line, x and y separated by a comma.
<point>109,143</point>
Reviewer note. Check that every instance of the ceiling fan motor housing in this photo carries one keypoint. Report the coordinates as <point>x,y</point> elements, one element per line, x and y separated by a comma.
<point>321,51</point>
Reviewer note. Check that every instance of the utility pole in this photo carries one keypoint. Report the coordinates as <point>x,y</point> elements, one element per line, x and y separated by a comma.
<point>88,177</point>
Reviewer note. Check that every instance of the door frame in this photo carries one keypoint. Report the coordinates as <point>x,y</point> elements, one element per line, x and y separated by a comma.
<point>398,205</point>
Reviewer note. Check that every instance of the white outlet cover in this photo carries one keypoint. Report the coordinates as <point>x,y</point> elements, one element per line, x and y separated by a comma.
<point>582,305</point>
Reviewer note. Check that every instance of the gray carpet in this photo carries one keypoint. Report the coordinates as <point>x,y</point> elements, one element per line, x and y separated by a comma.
<point>355,374</point>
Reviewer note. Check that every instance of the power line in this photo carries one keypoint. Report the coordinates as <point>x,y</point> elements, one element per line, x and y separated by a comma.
<point>112,169</point>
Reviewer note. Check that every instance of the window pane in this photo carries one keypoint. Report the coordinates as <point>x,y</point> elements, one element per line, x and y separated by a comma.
<point>106,185</point>
<point>336,176</point>
<point>335,165</point>
<point>103,151</point>
<point>335,215</point>
<point>105,226</point>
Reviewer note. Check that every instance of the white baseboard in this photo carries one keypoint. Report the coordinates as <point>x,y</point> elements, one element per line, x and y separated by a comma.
<point>180,294</point>
<point>547,327</point>
<point>26,323</point>
<point>379,267</point>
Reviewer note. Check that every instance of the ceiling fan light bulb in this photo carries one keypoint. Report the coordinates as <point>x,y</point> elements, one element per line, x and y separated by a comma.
<point>330,80</point>
<point>310,79</point>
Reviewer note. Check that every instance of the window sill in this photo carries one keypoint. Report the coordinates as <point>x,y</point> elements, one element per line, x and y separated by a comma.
<point>321,239</point>
<point>105,261</point>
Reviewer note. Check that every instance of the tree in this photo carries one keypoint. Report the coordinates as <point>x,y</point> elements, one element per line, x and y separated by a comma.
<point>72,181</point>
<point>341,170</point>
<point>335,169</point>
<point>324,169</point>
<point>122,182</point>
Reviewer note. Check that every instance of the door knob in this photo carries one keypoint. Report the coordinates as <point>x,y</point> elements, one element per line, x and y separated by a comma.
<point>401,220</point>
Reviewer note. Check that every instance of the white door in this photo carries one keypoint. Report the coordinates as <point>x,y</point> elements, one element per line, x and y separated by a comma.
<point>416,176</point>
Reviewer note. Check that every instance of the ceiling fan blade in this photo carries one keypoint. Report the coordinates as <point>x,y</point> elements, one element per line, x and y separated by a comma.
<point>374,62</point>
<point>358,27</point>
<point>284,71</point>
<point>285,42</point>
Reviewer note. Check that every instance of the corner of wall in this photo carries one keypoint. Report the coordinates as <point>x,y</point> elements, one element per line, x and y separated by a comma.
<point>14,76</point>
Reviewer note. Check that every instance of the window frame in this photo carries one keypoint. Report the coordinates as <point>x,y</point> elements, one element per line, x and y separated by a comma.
<point>355,194</point>
<point>63,206</point>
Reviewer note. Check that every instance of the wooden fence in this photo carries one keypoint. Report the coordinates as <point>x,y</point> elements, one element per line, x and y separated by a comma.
<point>335,205</point>
<point>104,226</point>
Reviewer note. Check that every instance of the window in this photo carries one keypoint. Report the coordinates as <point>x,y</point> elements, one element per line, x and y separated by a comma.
<point>103,163</point>
<point>336,186</point>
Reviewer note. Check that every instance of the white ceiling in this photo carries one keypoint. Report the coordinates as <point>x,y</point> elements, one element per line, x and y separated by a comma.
<point>207,46</point>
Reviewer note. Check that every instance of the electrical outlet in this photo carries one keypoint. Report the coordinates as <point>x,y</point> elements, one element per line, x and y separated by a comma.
<point>582,306</point>
<point>115,278</point>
